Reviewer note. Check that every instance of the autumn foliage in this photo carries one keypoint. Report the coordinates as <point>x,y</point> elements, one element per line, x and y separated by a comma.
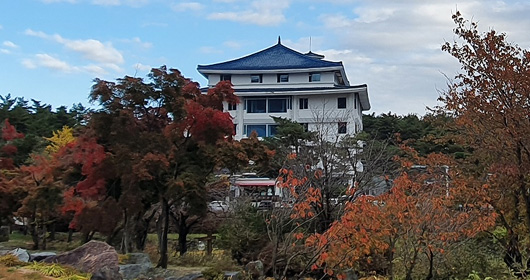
<point>429,207</point>
<point>489,101</point>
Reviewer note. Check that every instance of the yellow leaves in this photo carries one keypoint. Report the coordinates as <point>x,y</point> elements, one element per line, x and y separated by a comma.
<point>60,139</point>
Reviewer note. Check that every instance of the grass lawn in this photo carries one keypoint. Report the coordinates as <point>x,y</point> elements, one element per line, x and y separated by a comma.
<point>19,240</point>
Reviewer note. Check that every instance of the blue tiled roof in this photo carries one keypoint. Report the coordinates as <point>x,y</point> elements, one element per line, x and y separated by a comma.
<point>272,58</point>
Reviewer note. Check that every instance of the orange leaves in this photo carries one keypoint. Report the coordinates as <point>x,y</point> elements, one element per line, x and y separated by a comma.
<point>291,156</point>
<point>299,236</point>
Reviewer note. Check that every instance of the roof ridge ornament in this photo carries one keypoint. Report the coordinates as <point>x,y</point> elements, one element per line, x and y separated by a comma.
<point>279,40</point>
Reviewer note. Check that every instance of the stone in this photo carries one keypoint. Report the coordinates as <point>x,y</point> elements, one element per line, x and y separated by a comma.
<point>255,269</point>
<point>37,257</point>
<point>192,276</point>
<point>4,233</point>
<point>95,257</point>
<point>132,271</point>
<point>233,275</point>
<point>137,264</point>
<point>21,254</point>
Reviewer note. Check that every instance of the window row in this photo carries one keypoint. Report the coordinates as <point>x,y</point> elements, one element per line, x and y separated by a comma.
<point>304,103</point>
<point>269,130</point>
<point>280,78</point>
<point>280,105</point>
<point>263,130</point>
<point>267,105</point>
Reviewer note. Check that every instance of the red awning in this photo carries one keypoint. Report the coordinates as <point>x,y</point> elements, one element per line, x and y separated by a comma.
<point>268,183</point>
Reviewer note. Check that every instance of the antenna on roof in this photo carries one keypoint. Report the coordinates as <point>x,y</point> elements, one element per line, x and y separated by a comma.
<point>309,43</point>
<point>279,40</point>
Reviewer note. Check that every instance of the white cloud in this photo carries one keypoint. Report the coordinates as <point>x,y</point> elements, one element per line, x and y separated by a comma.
<point>5,51</point>
<point>142,67</point>
<point>395,46</point>
<point>39,34</point>
<point>137,41</point>
<point>187,6</point>
<point>10,44</point>
<point>107,2</point>
<point>95,50</point>
<point>232,44</point>
<point>48,61</point>
<point>94,69</point>
<point>90,49</point>
<point>304,44</point>
<point>264,13</point>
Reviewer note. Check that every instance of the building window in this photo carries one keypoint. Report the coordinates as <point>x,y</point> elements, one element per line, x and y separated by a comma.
<point>304,103</point>
<point>256,78</point>
<point>341,103</point>
<point>232,106</point>
<point>256,105</point>
<point>277,105</point>
<point>283,78</point>
<point>355,101</point>
<point>272,130</point>
<point>342,127</point>
<point>226,77</point>
<point>260,129</point>
<point>314,77</point>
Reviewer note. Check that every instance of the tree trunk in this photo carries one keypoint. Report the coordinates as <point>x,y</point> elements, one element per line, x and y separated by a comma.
<point>183,236</point>
<point>52,232</point>
<point>44,232</point>
<point>34,231</point>
<point>390,260</point>
<point>430,256</point>
<point>274,256</point>
<point>209,244</point>
<point>70,234</point>
<point>412,265</point>
<point>142,229</point>
<point>126,238</point>
<point>164,227</point>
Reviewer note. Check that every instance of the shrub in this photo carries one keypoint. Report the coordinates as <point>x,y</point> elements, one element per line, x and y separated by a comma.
<point>243,233</point>
<point>213,274</point>
<point>11,261</point>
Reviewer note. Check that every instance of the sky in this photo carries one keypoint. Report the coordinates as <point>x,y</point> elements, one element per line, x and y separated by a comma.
<point>52,50</point>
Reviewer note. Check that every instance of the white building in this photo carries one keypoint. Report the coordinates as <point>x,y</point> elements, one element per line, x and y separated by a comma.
<point>282,82</point>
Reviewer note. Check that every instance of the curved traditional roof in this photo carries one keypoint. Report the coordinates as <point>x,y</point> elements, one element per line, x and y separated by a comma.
<point>277,57</point>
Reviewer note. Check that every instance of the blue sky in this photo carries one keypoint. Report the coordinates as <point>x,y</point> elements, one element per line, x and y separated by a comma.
<point>51,50</point>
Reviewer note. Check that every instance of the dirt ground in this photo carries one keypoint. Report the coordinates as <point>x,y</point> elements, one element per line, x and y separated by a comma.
<point>12,273</point>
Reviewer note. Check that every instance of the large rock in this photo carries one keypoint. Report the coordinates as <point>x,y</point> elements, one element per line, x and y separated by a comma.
<point>255,269</point>
<point>98,258</point>
<point>41,256</point>
<point>137,264</point>
<point>21,254</point>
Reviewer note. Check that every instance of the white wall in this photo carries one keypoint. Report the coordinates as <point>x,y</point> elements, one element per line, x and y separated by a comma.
<point>322,115</point>
<point>271,80</point>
